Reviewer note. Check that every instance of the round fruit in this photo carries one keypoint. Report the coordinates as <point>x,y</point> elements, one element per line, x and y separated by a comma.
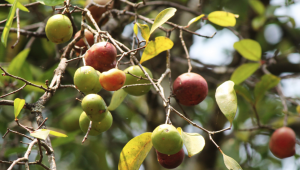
<point>137,71</point>
<point>101,56</point>
<point>86,79</point>
<point>59,29</point>
<point>112,79</point>
<point>166,139</point>
<point>97,12</point>
<point>89,38</point>
<point>190,89</point>
<point>70,120</point>
<point>94,106</point>
<point>170,161</point>
<point>97,127</point>
<point>282,142</point>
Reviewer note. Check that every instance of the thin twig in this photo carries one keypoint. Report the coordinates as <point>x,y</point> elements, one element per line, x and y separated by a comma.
<point>18,28</point>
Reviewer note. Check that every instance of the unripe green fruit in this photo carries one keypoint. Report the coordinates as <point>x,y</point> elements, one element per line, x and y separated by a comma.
<point>137,90</point>
<point>59,29</point>
<point>95,107</point>
<point>97,127</point>
<point>70,120</point>
<point>86,79</point>
<point>166,139</point>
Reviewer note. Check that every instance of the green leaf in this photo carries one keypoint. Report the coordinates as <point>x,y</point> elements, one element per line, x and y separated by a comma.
<point>195,19</point>
<point>135,151</point>
<point>155,47</point>
<point>51,2</point>
<point>249,49</point>
<point>267,82</point>
<point>257,6</point>
<point>9,21</point>
<point>13,150</point>
<point>40,133</point>
<point>162,17</point>
<point>36,89</point>
<point>117,99</point>
<point>222,18</point>
<point>144,31</point>
<point>226,100</point>
<point>17,63</point>
<point>230,163</point>
<point>58,134</point>
<point>19,5</point>
<point>18,105</point>
<point>135,29</point>
<point>59,141</point>
<point>193,142</point>
<point>243,72</point>
<point>241,90</point>
<point>258,22</point>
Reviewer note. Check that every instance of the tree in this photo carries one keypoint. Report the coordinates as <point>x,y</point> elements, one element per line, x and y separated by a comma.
<point>244,106</point>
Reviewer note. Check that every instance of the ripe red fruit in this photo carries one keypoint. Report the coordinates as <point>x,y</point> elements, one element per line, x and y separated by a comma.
<point>112,79</point>
<point>101,56</point>
<point>282,142</point>
<point>170,161</point>
<point>89,37</point>
<point>190,89</point>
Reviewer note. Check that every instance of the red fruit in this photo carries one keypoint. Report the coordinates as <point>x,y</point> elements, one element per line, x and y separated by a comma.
<point>89,37</point>
<point>101,56</point>
<point>190,89</point>
<point>112,79</point>
<point>170,161</point>
<point>282,142</point>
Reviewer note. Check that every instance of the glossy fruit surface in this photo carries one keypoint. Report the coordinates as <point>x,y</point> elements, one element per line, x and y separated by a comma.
<point>97,127</point>
<point>94,106</point>
<point>86,80</point>
<point>282,142</point>
<point>89,38</point>
<point>166,139</point>
<point>190,89</point>
<point>112,79</point>
<point>59,29</point>
<point>101,56</point>
<point>170,161</point>
<point>137,90</point>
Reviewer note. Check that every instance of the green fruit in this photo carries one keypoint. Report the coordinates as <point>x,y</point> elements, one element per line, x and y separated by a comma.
<point>95,107</point>
<point>70,120</point>
<point>86,79</point>
<point>166,139</point>
<point>137,90</point>
<point>97,127</point>
<point>59,29</point>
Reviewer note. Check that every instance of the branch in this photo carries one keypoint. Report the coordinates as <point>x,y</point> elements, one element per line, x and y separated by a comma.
<point>25,32</point>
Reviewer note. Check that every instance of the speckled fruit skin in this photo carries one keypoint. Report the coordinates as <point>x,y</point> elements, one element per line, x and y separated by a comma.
<point>89,37</point>
<point>97,127</point>
<point>282,142</point>
<point>59,29</point>
<point>166,139</point>
<point>94,106</point>
<point>112,79</point>
<point>136,90</point>
<point>190,89</point>
<point>101,56</point>
<point>86,79</point>
<point>170,161</point>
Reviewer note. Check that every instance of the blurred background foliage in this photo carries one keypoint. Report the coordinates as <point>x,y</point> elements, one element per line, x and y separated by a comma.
<point>275,24</point>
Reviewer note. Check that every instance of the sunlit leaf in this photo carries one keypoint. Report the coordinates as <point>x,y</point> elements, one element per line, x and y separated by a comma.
<point>135,151</point>
<point>40,133</point>
<point>195,19</point>
<point>162,17</point>
<point>155,47</point>
<point>267,82</point>
<point>18,105</point>
<point>51,2</point>
<point>243,72</point>
<point>19,5</point>
<point>8,23</point>
<point>241,90</point>
<point>298,109</point>
<point>249,49</point>
<point>58,134</point>
<point>222,18</point>
<point>257,6</point>
<point>144,31</point>
<point>16,64</point>
<point>226,100</point>
<point>230,163</point>
<point>135,29</point>
<point>117,99</point>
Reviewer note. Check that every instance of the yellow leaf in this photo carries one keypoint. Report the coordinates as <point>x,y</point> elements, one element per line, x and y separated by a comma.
<point>144,31</point>
<point>18,105</point>
<point>135,29</point>
<point>19,5</point>
<point>40,133</point>
<point>155,47</point>
<point>58,134</point>
<point>195,19</point>
<point>249,49</point>
<point>230,163</point>
<point>222,18</point>
<point>162,17</point>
